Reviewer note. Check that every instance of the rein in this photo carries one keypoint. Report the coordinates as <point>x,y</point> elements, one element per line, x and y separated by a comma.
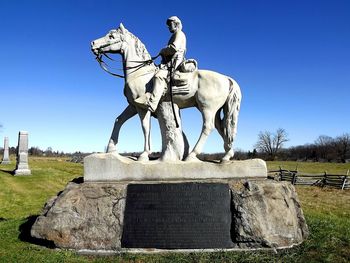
<point>104,65</point>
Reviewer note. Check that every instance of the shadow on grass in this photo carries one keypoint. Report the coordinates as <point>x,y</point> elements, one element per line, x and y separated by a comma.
<point>27,225</point>
<point>78,180</point>
<point>26,236</point>
<point>12,172</point>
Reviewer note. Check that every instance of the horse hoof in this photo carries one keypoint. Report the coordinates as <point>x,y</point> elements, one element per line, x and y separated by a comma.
<point>227,156</point>
<point>225,160</point>
<point>192,158</point>
<point>111,147</point>
<point>143,157</point>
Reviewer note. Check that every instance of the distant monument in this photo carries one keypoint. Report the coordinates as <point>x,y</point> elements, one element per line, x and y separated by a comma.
<point>6,157</point>
<point>177,202</point>
<point>22,167</point>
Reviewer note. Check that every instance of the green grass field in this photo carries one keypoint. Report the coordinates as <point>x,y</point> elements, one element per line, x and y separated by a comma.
<point>327,212</point>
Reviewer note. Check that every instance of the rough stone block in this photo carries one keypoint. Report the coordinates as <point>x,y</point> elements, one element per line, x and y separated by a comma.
<point>267,214</point>
<point>84,216</point>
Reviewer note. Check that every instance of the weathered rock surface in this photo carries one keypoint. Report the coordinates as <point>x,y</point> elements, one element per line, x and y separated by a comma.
<point>84,216</point>
<point>265,214</point>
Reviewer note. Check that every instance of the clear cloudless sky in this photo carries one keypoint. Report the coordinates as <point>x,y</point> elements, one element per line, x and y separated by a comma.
<point>291,59</point>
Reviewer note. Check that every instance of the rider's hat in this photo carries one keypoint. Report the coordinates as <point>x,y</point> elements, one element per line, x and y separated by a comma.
<point>173,18</point>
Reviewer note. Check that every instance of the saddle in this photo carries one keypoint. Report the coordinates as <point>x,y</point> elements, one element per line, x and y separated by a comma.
<point>184,72</point>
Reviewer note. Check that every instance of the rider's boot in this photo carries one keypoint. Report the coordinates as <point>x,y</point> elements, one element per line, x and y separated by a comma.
<point>143,100</point>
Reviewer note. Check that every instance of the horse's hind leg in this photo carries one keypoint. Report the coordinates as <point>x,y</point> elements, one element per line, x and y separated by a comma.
<point>228,152</point>
<point>228,145</point>
<point>219,125</point>
<point>208,126</point>
<point>129,112</point>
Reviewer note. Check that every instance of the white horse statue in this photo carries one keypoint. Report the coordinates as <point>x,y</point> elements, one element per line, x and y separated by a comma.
<point>210,92</point>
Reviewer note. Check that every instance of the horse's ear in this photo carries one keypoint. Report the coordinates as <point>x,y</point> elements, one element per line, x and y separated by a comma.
<point>122,28</point>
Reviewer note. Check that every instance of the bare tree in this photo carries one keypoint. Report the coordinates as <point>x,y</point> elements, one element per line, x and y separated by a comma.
<point>271,143</point>
<point>49,152</point>
<point>303,152</point>
<point>325,148</point>
<point>36,151</point>
<point>342,144</point>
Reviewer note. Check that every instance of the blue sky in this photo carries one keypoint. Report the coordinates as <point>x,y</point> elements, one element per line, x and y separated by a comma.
<point>290,58</point>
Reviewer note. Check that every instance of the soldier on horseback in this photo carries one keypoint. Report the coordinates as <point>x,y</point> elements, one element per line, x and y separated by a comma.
<point>172,56</point>
<point>215,95</point>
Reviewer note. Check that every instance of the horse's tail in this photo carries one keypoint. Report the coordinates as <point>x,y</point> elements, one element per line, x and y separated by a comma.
<point>231,109</point>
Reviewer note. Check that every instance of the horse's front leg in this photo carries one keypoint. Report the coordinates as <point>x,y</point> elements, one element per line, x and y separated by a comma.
<point>145,117</point>
<point>129,112</point>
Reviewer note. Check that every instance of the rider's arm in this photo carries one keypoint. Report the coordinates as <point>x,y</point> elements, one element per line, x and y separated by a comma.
<point>177,43</point>
<point>168,51</point>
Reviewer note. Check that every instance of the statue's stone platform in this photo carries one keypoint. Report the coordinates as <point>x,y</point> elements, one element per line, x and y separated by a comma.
<point>104,167</point>
<point>119,217</point>
<point>125,205</point>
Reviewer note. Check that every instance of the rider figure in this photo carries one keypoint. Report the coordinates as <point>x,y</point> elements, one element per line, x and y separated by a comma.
<point>172,56</point>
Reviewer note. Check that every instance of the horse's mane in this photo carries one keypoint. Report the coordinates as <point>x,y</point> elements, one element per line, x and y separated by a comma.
<point>139,46</point>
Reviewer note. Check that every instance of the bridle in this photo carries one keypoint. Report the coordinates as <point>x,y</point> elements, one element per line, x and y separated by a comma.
<point>104,65</point>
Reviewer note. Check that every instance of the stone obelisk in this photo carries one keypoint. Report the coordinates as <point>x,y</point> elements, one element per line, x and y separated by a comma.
<point>22,167</point>
<point>6,157</point>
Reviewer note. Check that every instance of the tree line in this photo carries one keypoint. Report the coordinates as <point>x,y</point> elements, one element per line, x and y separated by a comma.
<point>270,146</point>
<point>36,151</point>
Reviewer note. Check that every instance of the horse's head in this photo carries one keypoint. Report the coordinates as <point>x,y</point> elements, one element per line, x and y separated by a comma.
<point>118,41</point>
<point>110,43</point>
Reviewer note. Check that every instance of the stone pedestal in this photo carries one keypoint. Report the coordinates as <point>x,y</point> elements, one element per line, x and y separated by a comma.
<point>130,206</point>
<point>121,217</point>
<point>22,167</point>
<point>6,157</point>
<point>104,167</point>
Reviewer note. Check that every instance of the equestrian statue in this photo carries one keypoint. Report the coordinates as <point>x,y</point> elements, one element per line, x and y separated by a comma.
<point>176,79</point>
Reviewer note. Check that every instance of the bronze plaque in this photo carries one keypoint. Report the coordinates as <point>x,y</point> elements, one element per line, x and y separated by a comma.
<point>175,216</point>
